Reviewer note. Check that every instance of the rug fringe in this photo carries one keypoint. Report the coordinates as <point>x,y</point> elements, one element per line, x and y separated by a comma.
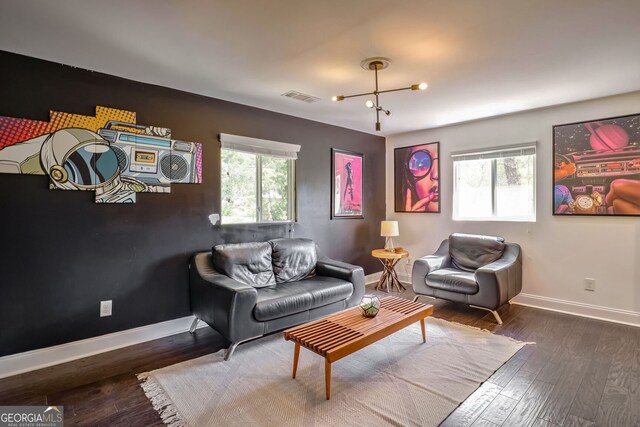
<point>488,332</point>
<point>160,401</point>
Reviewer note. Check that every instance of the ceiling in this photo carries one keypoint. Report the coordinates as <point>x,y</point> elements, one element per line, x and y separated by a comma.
<point>480,57</point>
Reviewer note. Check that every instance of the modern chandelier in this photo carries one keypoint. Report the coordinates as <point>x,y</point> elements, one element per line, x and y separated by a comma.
<point>376,64</point>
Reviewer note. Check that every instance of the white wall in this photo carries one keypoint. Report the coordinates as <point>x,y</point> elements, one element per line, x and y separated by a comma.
<point>558,251</point>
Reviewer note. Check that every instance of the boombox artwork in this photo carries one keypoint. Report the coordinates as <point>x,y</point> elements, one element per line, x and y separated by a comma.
<point>108,153</point>
<point>597,167</point>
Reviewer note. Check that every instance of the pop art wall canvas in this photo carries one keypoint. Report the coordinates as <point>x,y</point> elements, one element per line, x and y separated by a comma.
<point>108,153</point>
<point>416,172</point>
<point>347,195</point>
<point>597,167</point>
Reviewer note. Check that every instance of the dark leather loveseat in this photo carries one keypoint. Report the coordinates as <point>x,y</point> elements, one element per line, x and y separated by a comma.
<point>247,290</point>
<point>482,271</point>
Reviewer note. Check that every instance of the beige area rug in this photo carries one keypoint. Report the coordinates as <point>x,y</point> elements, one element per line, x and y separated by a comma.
<point>396,381</point>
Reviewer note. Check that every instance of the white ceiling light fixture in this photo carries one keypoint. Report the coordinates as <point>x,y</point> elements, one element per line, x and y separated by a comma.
<point>375,64</point>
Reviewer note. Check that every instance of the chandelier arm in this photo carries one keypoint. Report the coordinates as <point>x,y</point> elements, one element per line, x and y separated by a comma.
<point>358,94</point>
<point>394,90</point>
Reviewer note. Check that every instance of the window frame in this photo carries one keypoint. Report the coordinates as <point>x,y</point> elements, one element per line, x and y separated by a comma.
<point>291,193</point>
<point>263,148</point>
<point>499,152</point>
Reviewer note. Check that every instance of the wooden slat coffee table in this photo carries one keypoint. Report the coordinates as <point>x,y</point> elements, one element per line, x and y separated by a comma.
<point>346,332</point>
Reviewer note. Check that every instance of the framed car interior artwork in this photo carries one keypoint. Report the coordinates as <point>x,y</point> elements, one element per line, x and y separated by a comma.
<point>597,167</point>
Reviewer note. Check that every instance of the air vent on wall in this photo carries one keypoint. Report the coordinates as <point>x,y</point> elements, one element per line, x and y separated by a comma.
<point>301,96</point>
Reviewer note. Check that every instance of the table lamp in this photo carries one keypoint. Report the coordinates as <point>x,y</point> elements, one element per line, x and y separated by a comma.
<point>389,229</point>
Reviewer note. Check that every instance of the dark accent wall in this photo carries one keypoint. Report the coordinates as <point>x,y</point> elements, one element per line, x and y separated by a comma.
<point>62,253</point>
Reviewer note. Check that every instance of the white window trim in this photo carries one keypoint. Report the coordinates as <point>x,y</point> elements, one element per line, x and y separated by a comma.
<point>263,147</point>
<point>259,148</point>
<point>460,155</point>
<point>504,150</point>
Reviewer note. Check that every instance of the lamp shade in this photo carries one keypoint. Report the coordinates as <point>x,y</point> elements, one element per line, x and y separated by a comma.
<point>389,228</point>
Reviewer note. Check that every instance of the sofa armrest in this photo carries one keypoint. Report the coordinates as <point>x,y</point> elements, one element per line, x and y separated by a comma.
<point>500,280</point>
<point>427,264</point>
<point>222,302</point>
<point>342,270</point>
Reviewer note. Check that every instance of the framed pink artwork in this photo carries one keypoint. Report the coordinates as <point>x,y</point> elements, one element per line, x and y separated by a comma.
<point>347,185</point>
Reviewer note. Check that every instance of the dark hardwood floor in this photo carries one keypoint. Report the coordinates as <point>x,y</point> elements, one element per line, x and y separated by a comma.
<point>580,372</point>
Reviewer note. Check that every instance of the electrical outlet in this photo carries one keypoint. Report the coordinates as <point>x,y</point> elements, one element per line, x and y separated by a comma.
<point>589,284</point>
<point>105,308</point>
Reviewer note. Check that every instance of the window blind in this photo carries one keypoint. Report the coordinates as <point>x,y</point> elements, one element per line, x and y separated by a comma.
<point>259,146</point>
<point>526,149</point>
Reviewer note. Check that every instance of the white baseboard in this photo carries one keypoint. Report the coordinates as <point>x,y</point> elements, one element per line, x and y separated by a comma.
<point>19,363</point>
<point>372,278</point>
<point>616,315</point>
<point>404,278</point>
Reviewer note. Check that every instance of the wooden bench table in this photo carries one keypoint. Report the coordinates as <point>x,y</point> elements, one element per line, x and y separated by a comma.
<point>346,332</point>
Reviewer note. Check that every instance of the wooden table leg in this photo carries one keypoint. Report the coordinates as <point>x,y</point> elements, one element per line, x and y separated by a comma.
<point>379,284</point>
<point>395,280</point>
<point>394,277</point>
<point>327,377</point>
<point>383,277</point>
<point>391,272</point>
<point>296,354</point>
<point>424,335</point>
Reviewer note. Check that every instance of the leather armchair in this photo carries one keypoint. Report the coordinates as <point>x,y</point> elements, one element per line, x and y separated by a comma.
<point>481,271</point>
<point>241,309</point>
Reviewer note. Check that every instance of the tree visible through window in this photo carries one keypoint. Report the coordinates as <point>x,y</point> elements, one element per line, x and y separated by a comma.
<point>256,188</point>
<point>497,184</point>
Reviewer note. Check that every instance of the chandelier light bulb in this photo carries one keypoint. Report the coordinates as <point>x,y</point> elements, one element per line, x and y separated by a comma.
<point>423,86</point>
<point>369,103</point>
<point>337,98</point>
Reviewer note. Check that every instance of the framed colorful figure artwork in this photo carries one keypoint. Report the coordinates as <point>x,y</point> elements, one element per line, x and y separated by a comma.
<point>597,167</point>
<point>347,185</point>
<point>416,172</point>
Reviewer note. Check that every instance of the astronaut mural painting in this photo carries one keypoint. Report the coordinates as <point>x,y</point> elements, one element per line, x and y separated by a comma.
<point>597,167</point>
<point>108,153</point>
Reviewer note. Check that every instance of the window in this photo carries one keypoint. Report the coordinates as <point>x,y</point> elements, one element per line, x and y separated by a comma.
<point>496,184</point>
<point>257,180</point>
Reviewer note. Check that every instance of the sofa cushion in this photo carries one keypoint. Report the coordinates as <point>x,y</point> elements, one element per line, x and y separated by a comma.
<point>294,297</point>
<point>326,290</point>
<point>293,259</point>
<point>471,251</point>
<point>453,280</point>
<point>248,263</point>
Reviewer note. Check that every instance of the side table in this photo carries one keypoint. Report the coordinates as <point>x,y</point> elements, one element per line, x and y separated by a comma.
<point>389,275</point>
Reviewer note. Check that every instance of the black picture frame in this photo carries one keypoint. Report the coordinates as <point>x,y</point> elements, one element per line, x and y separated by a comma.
<point>353,176</point>
<point>404,181</point>
<point>596,167</point>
